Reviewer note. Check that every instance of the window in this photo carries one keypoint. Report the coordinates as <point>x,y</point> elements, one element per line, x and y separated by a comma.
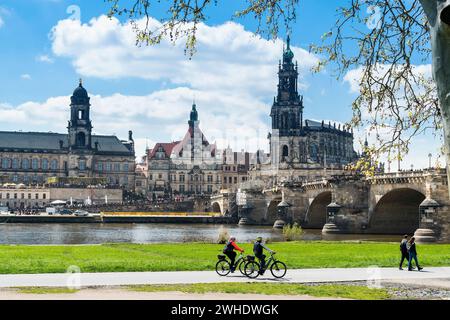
<point>44,164</point>
<point>5,163</point>
<point>210,178</point>
<point>108,166</point>
<point>15,178</point>
<point>181,177</point>
<point>117,167</point>
<point>82,165</point>
<point>36,196</point>
<point>54,164</point>
<point>126,167</point>
<point>160,176</point>
<point>209,189</point>
<point>285,153</point>
<point>29,196</point>
<point>44,196</point>
<point>150,177</point>
<point>26,179</point>
<point>100,166</point>
<point>35,164</point>
<point>25,164</point>
<point>235,180</point>
<point>15,164</point>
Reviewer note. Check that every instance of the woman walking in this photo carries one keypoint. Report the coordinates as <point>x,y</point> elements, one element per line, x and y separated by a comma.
<point>413,254</point>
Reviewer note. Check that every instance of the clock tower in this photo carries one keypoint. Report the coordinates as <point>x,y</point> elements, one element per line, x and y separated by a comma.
<point>287,109</point>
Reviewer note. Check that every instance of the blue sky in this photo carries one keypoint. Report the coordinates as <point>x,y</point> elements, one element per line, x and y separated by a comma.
<point>44,53</point>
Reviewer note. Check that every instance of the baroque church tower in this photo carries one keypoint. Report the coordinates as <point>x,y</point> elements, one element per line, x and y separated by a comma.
<point>287,109</point>
<point>80,126</point>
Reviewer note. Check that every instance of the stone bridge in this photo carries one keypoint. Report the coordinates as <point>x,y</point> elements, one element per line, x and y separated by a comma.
<point>397,203</point>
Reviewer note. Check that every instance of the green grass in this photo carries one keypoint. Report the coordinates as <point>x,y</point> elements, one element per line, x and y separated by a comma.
<point>17,259</point>
<point>44,290</point>
<point>328,291</point>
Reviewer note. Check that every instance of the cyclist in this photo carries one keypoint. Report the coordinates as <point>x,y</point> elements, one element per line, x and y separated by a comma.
<point>229,251</point>
<point>258,247</point>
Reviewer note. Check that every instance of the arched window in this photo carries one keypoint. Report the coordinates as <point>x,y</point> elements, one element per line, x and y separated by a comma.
<point>44,164</point>
<point>54,164</point>
<point>81,139</point>
<point>35,164</point>
<point>285,153</point>
<point>25,164</point>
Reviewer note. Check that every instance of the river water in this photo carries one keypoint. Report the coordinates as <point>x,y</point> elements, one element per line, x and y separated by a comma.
<point>86,233</point>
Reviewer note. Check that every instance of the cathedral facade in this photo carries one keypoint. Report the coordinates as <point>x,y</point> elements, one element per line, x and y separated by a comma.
<point>31,158</point>
<point>301,149</point>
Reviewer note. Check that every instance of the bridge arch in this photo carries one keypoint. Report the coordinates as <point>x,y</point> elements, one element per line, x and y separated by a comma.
<point>397,212</point>
<point>272,210</point>
<point>316,216</point>
<point>216,207</point>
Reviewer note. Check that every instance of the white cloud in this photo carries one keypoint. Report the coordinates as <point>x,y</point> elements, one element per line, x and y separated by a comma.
<point>25,76</point>
<point>44,58</point>
<point>1,22</point>
<point>228,57</point>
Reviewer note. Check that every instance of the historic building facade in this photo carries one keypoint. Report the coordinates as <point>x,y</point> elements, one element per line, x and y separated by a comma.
<point>30,158</point>
<point>301,149</point>
<point>191,166</point>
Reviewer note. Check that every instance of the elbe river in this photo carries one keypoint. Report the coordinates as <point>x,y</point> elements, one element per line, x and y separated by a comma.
<point>93,233</point>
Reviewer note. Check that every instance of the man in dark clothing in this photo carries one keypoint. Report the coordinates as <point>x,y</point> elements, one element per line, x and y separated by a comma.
<point>404,251</point>
<point>258,251</point>
<point>413,254</point>
<point>229,251</point>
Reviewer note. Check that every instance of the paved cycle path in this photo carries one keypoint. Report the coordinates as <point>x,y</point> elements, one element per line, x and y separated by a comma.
<point>186,277</point>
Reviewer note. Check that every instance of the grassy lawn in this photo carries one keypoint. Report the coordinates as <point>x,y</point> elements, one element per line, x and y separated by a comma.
<point>330,291</point>
<point>198,256</point>
<point>43,290</point>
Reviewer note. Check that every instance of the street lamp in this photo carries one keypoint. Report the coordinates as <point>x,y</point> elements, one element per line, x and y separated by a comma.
<point>429,160</point>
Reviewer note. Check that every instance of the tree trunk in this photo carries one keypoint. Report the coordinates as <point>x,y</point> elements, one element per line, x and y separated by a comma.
<point>438,14</point>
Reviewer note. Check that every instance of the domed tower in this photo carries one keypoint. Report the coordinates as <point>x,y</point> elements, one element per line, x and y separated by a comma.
<point>80,126</point>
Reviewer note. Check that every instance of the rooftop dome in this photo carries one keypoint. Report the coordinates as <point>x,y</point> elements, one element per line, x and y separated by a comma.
<point>80,95</point>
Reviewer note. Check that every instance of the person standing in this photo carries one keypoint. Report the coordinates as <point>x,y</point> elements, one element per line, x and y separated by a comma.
<point>404,251</point>
<point>413,254</point>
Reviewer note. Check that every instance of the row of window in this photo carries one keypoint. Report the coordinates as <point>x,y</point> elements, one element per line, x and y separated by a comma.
<point>116,167</point>
<point>45,164</point>
<point>198,188</point>
<point>232,180</point>
<point>26,164</point>
<point>22,195</point>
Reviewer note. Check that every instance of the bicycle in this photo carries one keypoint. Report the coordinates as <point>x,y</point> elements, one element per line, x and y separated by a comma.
<point>278,269</point>
<point>223,266</point>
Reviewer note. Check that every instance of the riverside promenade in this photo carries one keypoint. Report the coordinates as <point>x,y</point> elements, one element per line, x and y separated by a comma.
<point>439,277</point>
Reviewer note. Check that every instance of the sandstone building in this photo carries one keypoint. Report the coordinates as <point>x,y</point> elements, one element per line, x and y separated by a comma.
<point>30,158</point>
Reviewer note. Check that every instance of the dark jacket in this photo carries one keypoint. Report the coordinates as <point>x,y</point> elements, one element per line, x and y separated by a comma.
<point>412,249</point>
<point>257,249</point>
<point>404,246</point>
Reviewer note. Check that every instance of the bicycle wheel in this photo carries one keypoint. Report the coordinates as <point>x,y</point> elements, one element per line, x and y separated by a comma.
<point>278,269</point>
<point>242,267</point>
<point>223,268</point>
<point>251,269</point>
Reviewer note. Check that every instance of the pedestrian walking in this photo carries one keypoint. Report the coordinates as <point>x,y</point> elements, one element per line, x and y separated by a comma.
<point>413,254</point>
<point>404,251</point>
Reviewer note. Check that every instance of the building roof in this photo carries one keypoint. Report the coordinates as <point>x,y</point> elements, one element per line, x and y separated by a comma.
<point>56,142</point>
<point>167,147</point>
